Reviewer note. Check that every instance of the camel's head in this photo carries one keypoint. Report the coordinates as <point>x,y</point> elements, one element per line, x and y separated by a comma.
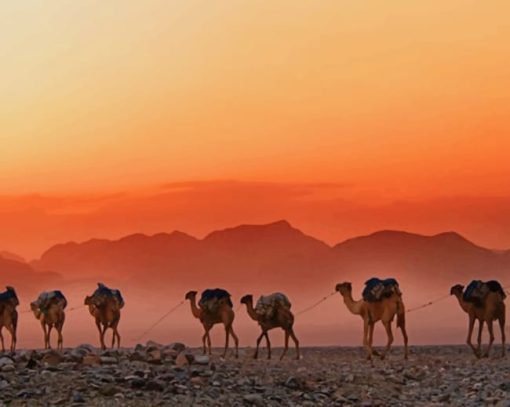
<point>190,295</point>
<point>344,288</point>
<point>457,289</point>
<point>34,306</point>
<point>247,299</point>
<point>90,301</point>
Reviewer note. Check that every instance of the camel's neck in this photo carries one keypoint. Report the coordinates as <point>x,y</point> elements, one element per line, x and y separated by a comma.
<point>463,304</point>
<point>354,306</point>
<point>194,309</point>
<point>251,311</point>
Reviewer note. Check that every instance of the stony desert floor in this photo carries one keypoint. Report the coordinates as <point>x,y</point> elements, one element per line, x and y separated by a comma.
<point>156,375</point>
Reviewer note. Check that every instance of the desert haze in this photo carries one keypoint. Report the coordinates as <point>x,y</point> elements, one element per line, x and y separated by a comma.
<point>154,273</point>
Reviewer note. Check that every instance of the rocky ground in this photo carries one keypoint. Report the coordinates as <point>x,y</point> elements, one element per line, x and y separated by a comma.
<point>153,375</point>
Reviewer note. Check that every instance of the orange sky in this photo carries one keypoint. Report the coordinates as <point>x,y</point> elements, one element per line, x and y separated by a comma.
<point>402,105</point>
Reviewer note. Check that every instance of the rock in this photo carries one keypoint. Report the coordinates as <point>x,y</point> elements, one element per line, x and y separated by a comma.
<point>201,359</point>
<point>154,385</point>
<point>78,398</point>
<point>109,390</point>
<point>177,346</point>
<point>8,368</point>
<point>255,399</point>
<point>6,360</point>
<point>152,344</point>
<point>52,358</point>
<point>108,360</point>
<point>154,356</point>
<point>91,360</point>
<point>184,359</point>
<point>293,383</point>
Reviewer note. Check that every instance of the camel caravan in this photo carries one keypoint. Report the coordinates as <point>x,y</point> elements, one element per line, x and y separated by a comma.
<point>381,300</point>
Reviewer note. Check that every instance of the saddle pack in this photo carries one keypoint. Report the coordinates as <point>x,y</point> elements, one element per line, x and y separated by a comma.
<point>267,305</point>
<point>48,298</point>
<point>476,292</point>
<point>211,299</point>
<point>103,292</point>
<point>377,289</point>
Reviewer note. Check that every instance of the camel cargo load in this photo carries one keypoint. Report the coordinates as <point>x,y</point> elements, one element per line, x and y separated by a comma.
<point>103,292</point>
<point>268,304</point>
<point>211,299</point>
<point>477,291</point>
<point>377,289</point>
<point>47,298</point>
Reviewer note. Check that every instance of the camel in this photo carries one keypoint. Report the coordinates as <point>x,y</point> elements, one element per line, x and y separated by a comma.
<point>105,305</point>
<point>50,312</point>
<point>9,316</point>
<point>221,314</point>
<point>493,308</point>
<point>283,318</point>
<point>372,312</point>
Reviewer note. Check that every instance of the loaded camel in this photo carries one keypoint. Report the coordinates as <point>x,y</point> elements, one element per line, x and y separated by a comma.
<point>281,317</point>
<point>105,305</point>
<point>49,310</point>
<point>489,310</point>
<point>9,316</point>
<point>215,307</point>
<point>372,312</point>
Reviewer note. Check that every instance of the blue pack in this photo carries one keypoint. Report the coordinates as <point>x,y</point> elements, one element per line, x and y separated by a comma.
<point>8,295</point>
<point>377,289</point>
<point>216,293</point>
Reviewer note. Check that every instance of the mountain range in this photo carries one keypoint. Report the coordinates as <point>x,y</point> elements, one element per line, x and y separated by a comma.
<point>273,255</point>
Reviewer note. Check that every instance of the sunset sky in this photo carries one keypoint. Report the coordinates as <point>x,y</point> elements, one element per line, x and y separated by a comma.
<point>342,116</point>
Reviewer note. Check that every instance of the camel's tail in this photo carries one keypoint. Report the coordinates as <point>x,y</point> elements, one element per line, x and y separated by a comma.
<point>401,315</point>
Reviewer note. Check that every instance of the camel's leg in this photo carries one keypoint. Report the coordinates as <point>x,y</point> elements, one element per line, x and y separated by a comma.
<point>50,327</point>
<point>268,345</point>
<point>387,326</point>
<point>365,339</point>
<point>2,339</point>
<point>371,338</point>
<point>470,334</point>
<point>14,337</point>
<point>406,340</point>
<point>227,337</point>
<point>209,343</point>
<point>60,329</point>
<point>207,337</point>
<point>256,354</point>
<point>204,337</point>
<point>479,338</point>
<point>116,333</point>
<point>113,337</point>
<point>296,342</point>
<point>101,333</point>
<point>502,328</point>
<point>236,341</point>
<point>60,343</point>
<point>286,348</point>
<point>491,338</point>
<point>43,325</point>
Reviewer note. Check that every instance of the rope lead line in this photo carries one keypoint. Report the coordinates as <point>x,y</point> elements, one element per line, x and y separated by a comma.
<point>444,297</point>
<point>316,304</point>
<point>159,320</point>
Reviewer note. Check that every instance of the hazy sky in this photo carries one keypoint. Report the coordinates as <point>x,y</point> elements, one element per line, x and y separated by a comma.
<point>401,100</point>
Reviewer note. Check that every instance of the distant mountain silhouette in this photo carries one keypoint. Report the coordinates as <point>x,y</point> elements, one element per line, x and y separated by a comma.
<point>276,255</point>
<point>24,277</point>
<point>12,256</point>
